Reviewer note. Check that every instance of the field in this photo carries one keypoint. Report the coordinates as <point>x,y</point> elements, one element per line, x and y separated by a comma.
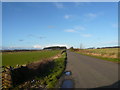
<point>20,58</point>
<point>50,77</point>
<point>43,67</point>
<point>110,54</point>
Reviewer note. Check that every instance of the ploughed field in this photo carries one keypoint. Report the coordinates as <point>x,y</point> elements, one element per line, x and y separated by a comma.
<point>25,57</point>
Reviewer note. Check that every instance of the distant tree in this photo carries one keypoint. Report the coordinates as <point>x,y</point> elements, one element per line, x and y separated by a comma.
<point>71,48</point>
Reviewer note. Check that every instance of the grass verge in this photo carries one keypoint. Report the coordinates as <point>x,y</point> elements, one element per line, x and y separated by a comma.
<point>50,77</point>
<point>116,60</point>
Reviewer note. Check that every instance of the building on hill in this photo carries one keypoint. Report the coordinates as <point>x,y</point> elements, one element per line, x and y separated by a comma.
<point>54,48</point>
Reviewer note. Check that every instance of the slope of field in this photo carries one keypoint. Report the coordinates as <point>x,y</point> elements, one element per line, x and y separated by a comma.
<point>110,54</point>
<point>14,58</point>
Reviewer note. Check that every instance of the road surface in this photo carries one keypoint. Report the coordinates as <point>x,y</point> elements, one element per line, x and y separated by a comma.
<point>89,72</point>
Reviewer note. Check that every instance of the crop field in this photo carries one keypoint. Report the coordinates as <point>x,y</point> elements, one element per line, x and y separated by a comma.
<point>110,54</point>
<point>20,58</point>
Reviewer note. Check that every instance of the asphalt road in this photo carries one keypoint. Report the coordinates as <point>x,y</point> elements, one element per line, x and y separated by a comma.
<point>89,72</point>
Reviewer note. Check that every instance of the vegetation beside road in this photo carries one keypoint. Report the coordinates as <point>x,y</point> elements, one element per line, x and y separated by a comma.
<point>50,77</point>
<point>110,54</point>
<point>43,68</point>
<point>20,58</point>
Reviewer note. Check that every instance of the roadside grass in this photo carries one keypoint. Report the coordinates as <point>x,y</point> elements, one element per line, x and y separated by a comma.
<point>50,77</point>
<point>20,58</point>
<point>103,58</point>
<point>56,72</point>
<point>111,54</point>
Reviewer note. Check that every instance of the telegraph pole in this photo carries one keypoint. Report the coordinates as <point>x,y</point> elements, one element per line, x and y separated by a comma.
<point>81,46</point>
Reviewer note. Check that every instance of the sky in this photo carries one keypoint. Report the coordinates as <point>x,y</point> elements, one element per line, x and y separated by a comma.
<point>41,24</point>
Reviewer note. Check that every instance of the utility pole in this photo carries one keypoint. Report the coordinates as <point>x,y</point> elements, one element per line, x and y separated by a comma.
<point>81,46</point>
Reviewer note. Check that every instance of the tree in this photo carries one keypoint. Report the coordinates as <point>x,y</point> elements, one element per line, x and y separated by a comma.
<point>71,48</point>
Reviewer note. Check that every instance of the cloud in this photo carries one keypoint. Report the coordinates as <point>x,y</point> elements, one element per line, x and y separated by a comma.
<point>86,35</point>
<point>79,28</point>
<point>30,35</point>
<point>77,4</point>
<point>91,15</point>
<point>67,16</point>
<point>70,30</point>
<point>41,37</point>
<point>72,17</point>
<point>21,40</point>
<point>75,29</point>
<point>38,37</point>
<point>115,25</point>
<point>50,26</point>
<point>110,42</point>
<point>15,47</point>
<point>37,46</point>
<point>59,4</point>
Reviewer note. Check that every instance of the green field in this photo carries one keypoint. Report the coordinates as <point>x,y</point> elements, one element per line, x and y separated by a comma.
<point>20,58</point>
<point>50,77</point>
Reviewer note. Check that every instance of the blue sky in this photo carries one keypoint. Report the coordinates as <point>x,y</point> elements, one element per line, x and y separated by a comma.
<point>39,24</point>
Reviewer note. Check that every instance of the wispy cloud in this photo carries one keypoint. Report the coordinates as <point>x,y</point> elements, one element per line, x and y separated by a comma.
<point>110,42</point>
<point>67,16</point>
<point>15,47</point>
<point>37,46</point>
<point>51,26</point>
<point>92,16</point>
<point>79,28</point>
<point>38,37</point>
<point>77,4</point>
<point>115,25</point>
<point>75,29</point>
<point>70,30</point>
<point>30,35</point>
<point>21,47</point>
<point>71,17</point>
<point>59,4</point>
<point>86,35</point>
<point>21,40</point>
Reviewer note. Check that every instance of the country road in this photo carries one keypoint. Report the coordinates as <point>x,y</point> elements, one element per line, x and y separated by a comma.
<point>89,72</point>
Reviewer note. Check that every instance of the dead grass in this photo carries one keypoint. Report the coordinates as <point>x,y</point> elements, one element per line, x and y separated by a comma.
<point>108,53</point>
